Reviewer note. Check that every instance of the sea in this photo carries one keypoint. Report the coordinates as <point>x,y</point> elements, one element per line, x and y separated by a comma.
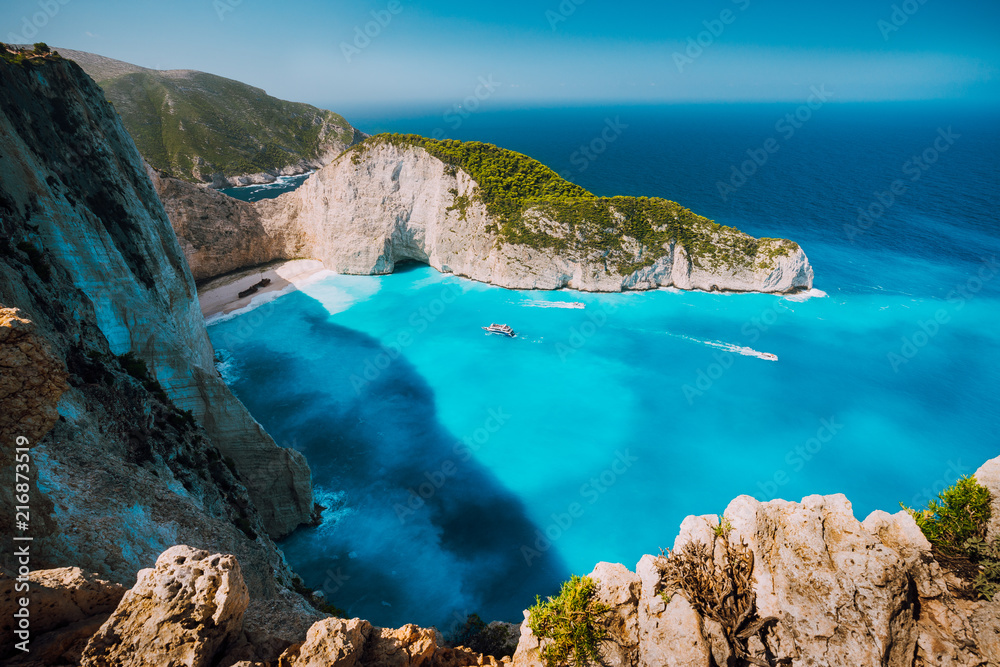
<point>463,472</point>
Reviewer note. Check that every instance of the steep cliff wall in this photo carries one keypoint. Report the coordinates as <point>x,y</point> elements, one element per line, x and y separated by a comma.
<point>383,202</point>
<point>149,447</point>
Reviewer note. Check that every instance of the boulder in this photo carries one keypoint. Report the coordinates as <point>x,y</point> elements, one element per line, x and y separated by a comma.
<point>181,612</point>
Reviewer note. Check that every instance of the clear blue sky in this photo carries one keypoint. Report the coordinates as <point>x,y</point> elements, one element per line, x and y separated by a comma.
<point>435,52</point>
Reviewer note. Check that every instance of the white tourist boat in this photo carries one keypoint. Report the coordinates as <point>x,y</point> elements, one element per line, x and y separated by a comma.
<point>501,329</point>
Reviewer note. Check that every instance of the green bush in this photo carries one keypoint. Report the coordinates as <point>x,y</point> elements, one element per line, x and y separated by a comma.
<point>955,524</point>
<point>960,512</point>
<point>574,622</point>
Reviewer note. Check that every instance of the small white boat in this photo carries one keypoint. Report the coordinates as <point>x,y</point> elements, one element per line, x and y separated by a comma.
<point>501,329</point>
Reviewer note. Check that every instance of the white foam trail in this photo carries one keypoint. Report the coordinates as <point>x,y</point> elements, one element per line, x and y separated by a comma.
<point>729,347</point>
<point>552,304</point>
<point>805,296</point>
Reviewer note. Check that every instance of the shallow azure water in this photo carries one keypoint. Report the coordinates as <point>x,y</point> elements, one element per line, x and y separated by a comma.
<point>604,426</point>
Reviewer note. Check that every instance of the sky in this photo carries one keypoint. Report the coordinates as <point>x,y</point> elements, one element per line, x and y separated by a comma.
<point>370,53</point>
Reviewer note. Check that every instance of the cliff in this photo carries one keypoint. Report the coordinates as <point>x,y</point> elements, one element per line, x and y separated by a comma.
<point>775,583</point>
<point>106,370</point>
<point>396,198</point>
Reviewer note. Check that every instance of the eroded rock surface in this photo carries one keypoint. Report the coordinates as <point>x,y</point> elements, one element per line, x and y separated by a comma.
<point>180,612</point>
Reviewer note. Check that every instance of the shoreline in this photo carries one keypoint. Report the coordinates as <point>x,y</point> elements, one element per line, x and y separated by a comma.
<point>220,297</point>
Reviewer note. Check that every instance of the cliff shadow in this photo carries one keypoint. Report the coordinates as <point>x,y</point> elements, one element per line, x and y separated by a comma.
<point>415,530</point>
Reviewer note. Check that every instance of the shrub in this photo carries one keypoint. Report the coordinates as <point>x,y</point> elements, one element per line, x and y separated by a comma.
<point>574,622</point>
<point>720,590</point>
<point>485,638</point>
<point>41,48</point>
<point>959,513</point>
<point>955,524</point>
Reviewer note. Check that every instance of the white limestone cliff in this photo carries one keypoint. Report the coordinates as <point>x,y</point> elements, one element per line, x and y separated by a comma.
<point>369,210</point>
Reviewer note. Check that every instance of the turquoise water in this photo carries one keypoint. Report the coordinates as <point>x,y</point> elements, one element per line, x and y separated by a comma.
<point>466,473</point>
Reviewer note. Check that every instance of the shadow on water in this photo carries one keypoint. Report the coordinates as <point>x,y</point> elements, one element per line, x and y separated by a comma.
<point>415,529</point>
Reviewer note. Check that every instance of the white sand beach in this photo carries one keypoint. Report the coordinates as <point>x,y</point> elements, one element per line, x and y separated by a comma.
<point>221,296</point>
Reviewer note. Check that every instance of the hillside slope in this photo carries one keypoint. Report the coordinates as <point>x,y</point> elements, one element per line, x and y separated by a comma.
<point>205,128</point>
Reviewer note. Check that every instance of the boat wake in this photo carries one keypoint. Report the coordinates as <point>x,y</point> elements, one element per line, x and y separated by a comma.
<point>729,347</point>
<point>805,296</point>
<point>552,304</point>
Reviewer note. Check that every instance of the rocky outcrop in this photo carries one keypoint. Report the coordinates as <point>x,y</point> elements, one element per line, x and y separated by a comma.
<point>219,234</point>
<point>181,612</point>
<point>827,589</point>
<point>369,210</point>
<point>67,606</point>
<point>31,381</point>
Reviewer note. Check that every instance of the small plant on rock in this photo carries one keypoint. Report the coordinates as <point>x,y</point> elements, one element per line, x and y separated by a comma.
<point>720,591</point>
<point>574,621</point>
<point>955,524</point>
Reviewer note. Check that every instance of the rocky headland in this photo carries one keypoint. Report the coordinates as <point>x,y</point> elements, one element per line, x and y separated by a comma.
<point>393,198</point>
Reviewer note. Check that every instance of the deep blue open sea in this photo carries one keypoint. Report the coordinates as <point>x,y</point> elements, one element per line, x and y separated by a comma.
<point>466,473</point>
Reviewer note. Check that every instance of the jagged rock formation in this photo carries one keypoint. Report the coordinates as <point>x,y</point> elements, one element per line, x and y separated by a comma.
<point>383,203</point>
<point>178,613</point>
<point>826,589</point>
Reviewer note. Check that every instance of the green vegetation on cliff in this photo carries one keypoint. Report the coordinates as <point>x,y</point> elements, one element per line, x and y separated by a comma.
<point>955,523</point>
<point>193,125</point>
<point>574,621</point>
<point>534,206</point>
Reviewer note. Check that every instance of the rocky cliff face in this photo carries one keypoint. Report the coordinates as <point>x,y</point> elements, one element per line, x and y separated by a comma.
<point>370,209</point>
<point>781,583</point>
<point>105,366</point>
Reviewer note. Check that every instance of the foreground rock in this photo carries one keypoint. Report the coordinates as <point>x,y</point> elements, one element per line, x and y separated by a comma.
<point>179,613</point>
<point>67,607</point>
<point>826,590</point>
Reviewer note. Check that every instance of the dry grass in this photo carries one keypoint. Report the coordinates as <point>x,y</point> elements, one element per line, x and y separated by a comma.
<point>721,591</point>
